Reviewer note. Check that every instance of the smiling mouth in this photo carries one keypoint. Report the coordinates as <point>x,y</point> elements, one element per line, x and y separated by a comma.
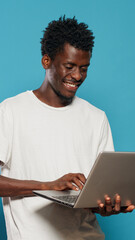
<point>71,86</point>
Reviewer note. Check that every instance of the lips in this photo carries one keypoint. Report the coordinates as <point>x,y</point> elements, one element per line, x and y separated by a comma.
<point>71,86</point>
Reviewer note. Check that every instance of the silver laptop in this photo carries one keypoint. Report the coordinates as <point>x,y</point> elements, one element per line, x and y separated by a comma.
<point>112,173</point>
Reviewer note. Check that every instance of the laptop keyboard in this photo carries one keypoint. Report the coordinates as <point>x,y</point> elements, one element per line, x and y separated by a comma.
<point>67,198</point>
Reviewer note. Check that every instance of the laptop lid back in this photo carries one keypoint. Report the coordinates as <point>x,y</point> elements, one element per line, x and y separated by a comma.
<point>113,173</point>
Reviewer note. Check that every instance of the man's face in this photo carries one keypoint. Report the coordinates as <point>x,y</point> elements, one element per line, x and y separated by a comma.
<point>67,71</point>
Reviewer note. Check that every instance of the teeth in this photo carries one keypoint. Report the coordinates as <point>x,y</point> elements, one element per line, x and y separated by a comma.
<point>69,84</point>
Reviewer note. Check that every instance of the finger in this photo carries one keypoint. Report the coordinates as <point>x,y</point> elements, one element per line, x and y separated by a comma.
<point>81,177</point>
<point>129,208</point>
<point>108,204</point>
<point>117,203</point>
<point>101,209</point>
<point>70,185</point>
<point>63,186</point>
<point>77,182</point>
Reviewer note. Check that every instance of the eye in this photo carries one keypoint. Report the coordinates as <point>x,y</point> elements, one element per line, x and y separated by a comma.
<point>84,69</point>
<point>69,67</point>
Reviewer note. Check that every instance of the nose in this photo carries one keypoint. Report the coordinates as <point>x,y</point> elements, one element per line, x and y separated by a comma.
<point>76,74</point>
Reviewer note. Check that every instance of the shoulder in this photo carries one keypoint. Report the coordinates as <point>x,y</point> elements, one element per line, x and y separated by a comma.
<point>89,110</point>
<point>15,100</point>
<point>14,104</point>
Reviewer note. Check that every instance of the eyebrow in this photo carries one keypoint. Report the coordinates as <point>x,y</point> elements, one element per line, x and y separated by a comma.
<point>86,65</point>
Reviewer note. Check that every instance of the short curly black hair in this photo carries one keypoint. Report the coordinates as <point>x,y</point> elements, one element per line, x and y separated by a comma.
<point>66,30</point>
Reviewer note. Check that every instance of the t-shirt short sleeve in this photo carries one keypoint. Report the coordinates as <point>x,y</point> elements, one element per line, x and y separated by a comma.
<point>106,141</point>
<point>5,134</point>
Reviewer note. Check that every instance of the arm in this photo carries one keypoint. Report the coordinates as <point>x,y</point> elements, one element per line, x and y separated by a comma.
<point>12,187</point>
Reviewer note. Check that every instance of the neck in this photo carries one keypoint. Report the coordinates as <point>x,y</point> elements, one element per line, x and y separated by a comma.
<point>50,97</point>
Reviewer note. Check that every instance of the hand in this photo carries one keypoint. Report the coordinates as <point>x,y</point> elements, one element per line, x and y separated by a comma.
<point>107,209</point>
<point>74,181</point>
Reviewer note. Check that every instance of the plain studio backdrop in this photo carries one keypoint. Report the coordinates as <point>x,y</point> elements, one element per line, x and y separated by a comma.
<point>110,83</point>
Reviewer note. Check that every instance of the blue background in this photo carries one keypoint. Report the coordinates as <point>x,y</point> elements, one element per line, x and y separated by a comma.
<point>110,84</point>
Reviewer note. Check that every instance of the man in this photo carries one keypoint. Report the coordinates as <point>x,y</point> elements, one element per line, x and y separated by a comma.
<point>49,133</point>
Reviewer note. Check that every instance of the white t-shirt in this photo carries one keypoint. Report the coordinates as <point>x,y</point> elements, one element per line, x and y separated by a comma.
<point>40,142</point>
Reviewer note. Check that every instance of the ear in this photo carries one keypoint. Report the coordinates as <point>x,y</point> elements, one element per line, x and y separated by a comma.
<point>46,61</point>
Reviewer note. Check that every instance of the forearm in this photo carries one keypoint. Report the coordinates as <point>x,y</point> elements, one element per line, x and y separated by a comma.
<point>12,187</point>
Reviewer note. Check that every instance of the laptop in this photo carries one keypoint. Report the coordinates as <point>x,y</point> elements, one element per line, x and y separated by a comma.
<point>112,173</point>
